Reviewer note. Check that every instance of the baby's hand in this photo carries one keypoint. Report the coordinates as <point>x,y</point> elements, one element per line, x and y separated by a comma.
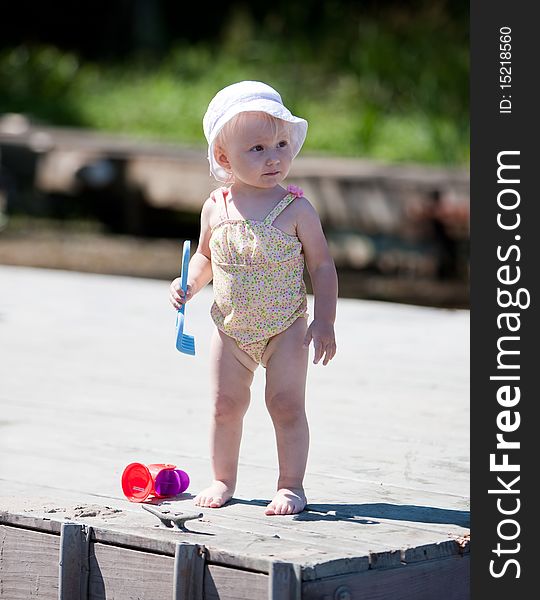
<point>324,341</point>
<point>176,294</point>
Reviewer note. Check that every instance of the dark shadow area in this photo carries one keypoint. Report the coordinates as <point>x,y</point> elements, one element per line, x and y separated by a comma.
<point>364,514</point>
<point>166,501</point>
<point>96,583</point>
<point>396,512</point>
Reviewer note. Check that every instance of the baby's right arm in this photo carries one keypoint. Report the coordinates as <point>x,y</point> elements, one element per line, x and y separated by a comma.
<point>200,265</point>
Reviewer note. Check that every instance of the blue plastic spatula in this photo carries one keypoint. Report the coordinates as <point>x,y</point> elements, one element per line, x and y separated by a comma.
<point>184,343</point>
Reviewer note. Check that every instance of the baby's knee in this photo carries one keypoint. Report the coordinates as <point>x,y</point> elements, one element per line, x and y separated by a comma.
<point>285,407</point>
<point>228,407</point>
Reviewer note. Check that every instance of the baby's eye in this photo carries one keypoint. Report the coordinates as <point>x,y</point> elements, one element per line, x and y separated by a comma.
<point>258,148</point>
<point>283,143</point>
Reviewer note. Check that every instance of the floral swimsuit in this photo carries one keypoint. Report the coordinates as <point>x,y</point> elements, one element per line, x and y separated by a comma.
<point>258,282</point>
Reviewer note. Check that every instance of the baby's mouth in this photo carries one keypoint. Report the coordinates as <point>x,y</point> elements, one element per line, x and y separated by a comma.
<point>271,173</point>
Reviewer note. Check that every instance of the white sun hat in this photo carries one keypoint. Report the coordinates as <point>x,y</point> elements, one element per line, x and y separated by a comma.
<point>242,97</point>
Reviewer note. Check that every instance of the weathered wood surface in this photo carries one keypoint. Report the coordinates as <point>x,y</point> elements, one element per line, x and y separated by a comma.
<point>117,573</point>
<point>74,562</point>
<point>240,542</point>
<point>285,581</point>
<point>91,381</point>
<point>221,583</point>
<point>445,578</point>
<point>28,564</point>
<point>189,567</point>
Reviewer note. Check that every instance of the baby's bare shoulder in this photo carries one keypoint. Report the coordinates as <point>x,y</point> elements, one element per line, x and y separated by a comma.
<point>210,212</point>
<point>304,208</point>
<point>209,205</point>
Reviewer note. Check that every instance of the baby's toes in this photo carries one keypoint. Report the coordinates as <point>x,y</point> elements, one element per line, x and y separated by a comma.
<point>281,508</point>
<point>201,501</point>
<point>289,509</point>
<point>210,502</point>
<point>270,509</point>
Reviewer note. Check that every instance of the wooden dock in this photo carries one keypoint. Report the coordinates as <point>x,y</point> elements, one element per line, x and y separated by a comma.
<point>90,381</point>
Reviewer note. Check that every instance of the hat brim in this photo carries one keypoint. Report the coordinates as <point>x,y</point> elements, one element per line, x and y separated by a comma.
<point>277,110</point>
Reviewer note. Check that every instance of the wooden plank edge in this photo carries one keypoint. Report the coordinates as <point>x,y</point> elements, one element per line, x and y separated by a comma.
<point>374,582</point>
<point>246,562</point>
<point>433,551</point>
<point>331,568</point>
<point>42,524</point>
<point>454,547</point>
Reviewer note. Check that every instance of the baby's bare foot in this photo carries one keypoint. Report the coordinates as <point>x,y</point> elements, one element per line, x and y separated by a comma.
<point>287,502</point>
<point>215,495</point>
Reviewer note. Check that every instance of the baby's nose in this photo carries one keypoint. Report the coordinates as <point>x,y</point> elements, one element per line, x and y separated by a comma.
<point>272,159</point>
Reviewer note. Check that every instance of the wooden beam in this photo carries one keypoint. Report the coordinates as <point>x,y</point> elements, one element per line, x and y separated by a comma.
<point>285,581</point>
<point>73,564</point>
<point>189,562</point>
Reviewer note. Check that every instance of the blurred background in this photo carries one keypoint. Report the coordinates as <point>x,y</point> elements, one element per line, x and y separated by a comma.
<point>103,160</point>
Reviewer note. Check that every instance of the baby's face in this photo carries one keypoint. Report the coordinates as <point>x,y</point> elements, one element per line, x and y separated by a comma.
<point>259,152</point>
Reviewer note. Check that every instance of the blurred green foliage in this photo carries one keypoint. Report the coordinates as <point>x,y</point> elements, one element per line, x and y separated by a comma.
<point>393,88</point>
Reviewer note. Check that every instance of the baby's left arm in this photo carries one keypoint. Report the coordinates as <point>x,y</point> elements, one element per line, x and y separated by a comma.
<point>322,272</point>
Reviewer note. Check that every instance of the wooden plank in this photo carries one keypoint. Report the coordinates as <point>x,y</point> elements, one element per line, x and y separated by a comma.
<point>159,539</point>
<point>444,579</point>
<point>284,581</point>
<point>229,558</point>
<point>188,572</point>
<point>222,583</point>
<point>39,523</point>
<point>155,540</point>
<point>124,574</point>
<point>28,564</point>
<point>434,551</point>
<point>338,566</point>
<point>73,565</point>
<point>384,560</point>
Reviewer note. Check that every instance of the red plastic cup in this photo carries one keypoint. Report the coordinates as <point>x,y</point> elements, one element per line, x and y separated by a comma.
<point>140,481</point>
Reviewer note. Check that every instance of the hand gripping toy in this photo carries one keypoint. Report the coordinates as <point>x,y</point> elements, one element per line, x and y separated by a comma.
<point>184,343</point>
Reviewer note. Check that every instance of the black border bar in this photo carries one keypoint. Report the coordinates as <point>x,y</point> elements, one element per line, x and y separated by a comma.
<point>505,254</point>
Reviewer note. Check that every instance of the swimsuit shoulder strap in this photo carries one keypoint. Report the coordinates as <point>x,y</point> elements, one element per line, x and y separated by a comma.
<point>219,196</point>
<point>279,208</point>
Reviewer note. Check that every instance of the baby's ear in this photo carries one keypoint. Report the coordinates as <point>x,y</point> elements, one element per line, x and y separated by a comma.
<point>221,157</point>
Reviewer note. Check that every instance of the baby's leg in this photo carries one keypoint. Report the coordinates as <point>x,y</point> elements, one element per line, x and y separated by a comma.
<point>232,375</point>
<point>286,368</point>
